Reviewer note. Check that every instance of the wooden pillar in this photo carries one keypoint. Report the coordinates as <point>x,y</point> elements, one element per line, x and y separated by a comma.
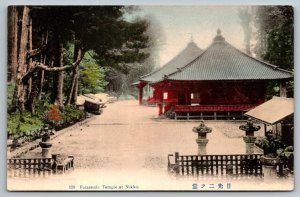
<point>148,90</point>
<point>160,109</point>
<point>283,89</point>
<point>160,99</point>
<point>265,129</point>
<point>140,95</point>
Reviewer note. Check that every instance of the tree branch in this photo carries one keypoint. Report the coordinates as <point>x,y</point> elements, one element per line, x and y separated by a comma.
<point>37,65</point>
<point>47,68</point>
<point>37,51</point>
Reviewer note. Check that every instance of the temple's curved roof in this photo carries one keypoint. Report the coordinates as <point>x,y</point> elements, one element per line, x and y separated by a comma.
<point>189,53</point>
<point>222,61</point>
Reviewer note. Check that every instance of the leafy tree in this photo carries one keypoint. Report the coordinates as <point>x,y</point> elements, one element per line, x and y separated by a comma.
<point>266,18</point>
<point>280,49</point>
<point>47,30</point>
<point>275,40</point>
<point>121,81</point>
<point>92,79</point>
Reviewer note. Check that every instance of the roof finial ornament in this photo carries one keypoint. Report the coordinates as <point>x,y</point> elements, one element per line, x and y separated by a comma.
<point>219,37</point>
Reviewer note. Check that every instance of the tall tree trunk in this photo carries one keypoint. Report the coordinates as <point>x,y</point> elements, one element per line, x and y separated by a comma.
<point>78,55</point>
<point>12,43</point>
<point>21,88</point>
<point>76,87</point>
<point>43,58</point>
<point>60,77</point>
<point>34,92</point>
<point>29,84</point>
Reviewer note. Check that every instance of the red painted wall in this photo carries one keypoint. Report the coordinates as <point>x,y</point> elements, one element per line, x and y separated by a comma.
<point>211,92</point>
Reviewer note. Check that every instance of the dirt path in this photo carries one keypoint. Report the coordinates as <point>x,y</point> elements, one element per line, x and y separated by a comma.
<point>128,136</point>
<point>128,143</point>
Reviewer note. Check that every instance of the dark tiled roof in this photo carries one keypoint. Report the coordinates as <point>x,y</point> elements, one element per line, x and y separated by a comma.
<point>188,54</point>
<point>222,61</point>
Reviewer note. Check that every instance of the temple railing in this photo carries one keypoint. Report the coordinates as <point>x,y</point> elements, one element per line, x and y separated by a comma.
<point>212,108</point>
<point>208,112</point>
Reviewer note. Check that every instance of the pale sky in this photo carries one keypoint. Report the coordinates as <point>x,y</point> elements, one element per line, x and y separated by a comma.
<point>178,22</point>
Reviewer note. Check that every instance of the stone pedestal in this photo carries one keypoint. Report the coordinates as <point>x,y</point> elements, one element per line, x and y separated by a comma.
<point>249,140</point>
<point>46,153</point>
<point>270,172</point>
<point>46,149</point>
<point>201,145</point>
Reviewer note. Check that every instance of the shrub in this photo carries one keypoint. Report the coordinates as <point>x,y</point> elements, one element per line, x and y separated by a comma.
<point>22,124</point>
<point>61,117</point>
<point>71,113</point>
<point>28,125</point>
<point>54,114</point>
<point>270,144</point>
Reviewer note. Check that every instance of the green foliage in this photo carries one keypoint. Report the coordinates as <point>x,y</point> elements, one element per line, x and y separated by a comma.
<point>266,19</point>
<point>71,113</point>
<point>103,31</point>
<point>280,49</point>
<point>24,123</point>
<point>270,144</point>
<point>63,116</point>
<point>285,153</point>
<point>92,76</point>
<point>92,79</point>
<point>275,40</point>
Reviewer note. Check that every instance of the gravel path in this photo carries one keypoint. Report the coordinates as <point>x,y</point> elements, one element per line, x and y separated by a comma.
<point>128,142</point>
<point>129,136</point>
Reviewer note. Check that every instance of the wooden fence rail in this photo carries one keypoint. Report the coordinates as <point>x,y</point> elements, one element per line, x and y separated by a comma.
<point>216,164</point>
<point>30,163</point>
<point>38,166</point>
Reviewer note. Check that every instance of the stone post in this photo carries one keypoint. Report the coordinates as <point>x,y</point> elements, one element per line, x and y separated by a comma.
<point>249,140</point>
<point>202,140</point>
<point>270,172</point>
<point>269,167</point>
<point>201,146</point>
<point>46,145</point>
<point>46,150</point>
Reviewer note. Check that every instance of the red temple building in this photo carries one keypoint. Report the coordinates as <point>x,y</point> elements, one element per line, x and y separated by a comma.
<point>189,53</point>
<point>222,82</point>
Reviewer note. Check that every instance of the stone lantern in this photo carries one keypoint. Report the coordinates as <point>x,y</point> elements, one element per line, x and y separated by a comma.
<point>202,140</point>
<point>45,144</point>
<point>249,139</point>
